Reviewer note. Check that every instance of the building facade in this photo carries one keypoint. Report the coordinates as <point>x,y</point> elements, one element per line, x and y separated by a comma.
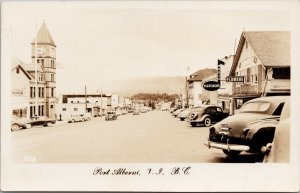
<point>263,59</point>
<point>33,85</point>
<point>225,94</point>
<point>195,90</point>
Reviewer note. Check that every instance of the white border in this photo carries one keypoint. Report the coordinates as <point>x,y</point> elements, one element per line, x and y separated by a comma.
<point>204,177</point>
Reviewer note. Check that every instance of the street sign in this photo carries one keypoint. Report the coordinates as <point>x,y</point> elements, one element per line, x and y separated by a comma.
<point>235,79</point>
<point>213,85</point>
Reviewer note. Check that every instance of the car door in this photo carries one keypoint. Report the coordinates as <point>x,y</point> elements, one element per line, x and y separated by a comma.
<point>219,114</point>
<point>213,114</point>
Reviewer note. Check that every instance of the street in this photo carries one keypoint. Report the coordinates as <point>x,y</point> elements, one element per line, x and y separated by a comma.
<point>152,137</point>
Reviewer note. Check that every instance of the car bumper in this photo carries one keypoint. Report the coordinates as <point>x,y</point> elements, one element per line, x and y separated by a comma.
<point>227,146</point>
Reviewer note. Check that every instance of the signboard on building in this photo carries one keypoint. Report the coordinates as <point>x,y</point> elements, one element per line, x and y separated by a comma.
<point>235,79</point>
<point>18,92</point>
<point>213,85</point>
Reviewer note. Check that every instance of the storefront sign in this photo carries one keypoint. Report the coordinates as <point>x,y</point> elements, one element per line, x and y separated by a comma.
<point>18,92</point>
<point>211,85</point>
<point>235,79</point>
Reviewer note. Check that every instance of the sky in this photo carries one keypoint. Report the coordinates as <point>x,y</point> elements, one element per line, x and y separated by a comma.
<point>100,42</point>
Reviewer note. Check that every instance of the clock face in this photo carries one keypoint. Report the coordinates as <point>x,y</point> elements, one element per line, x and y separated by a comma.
<point>40,50</point>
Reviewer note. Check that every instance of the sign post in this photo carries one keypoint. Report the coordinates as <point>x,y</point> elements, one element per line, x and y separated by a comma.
<point>213,85</point>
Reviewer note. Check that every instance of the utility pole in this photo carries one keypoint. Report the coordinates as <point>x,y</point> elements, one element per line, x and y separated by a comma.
<point>36,76</point>
<point>101,103</point>
<point>85,98</point>
<point>187,92</point>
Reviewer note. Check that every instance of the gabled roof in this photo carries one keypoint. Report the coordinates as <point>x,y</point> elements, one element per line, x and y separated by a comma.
<point>23,70</point>
<point>271,47</point>
<point>201,74</point>
<point>44,36</point>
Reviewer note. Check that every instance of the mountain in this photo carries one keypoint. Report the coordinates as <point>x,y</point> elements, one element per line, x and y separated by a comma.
<point>161,84</point>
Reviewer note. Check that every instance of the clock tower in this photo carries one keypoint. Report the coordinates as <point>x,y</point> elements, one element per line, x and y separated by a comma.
<point>44,47</point>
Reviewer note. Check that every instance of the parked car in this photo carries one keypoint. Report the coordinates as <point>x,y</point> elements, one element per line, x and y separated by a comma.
<point>206,115</point>
<point>111,115</point>
<point>18,123</point>
<point>279,150</point>
<point>172,110</point>
<point>87,116</point>
<point>184,114</point>
<point>76,118</point>
<point>136,112</point>
<point>130,110</point>
<point>42,120</point>
<point>250,129</point>
<point>175,113</point>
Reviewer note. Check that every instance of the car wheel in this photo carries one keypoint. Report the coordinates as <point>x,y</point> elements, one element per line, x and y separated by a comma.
<point>28,126</point>
<point>193,124</point>
<point>181,119</point>
<point>231,153</point>
<point>49,124</point>
<point>207,122</point>
<point>15,127</point>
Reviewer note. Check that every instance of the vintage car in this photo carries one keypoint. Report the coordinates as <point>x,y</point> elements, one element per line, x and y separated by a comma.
<point>18,123</point>
<point>176,113</point>
<point>79,118</point>
<point>136,112</point>
<point>279,150</point>
<point>41,120</point>
<point>183,114</point>
<point>206,115</point>
<point>111,115</point>
<point>250,129</point>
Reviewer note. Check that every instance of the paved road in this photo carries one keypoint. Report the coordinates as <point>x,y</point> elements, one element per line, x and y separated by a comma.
<point>153,137</point>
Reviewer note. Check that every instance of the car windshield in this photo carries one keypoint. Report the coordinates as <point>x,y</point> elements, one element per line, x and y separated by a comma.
<point>257,106</point>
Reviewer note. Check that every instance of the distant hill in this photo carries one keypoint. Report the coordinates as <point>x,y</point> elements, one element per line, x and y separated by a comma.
<point>161,84</point>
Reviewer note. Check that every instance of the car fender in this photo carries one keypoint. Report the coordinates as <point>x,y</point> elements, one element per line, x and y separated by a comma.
<point>204,116</point>
<point>267,126</point>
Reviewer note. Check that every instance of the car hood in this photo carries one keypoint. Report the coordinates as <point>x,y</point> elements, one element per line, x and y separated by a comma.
<point>238,122</point>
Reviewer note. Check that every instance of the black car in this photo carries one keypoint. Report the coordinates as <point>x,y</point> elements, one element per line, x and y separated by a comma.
<point>41,120</point>
<point>249,130</point>
<point>207,115</point>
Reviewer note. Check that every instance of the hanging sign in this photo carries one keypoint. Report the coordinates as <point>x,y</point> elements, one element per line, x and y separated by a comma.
<point>214,85</point>
<point>235,79</point>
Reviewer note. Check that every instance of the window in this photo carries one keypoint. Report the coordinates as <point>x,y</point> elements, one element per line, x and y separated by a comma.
<point>52,92</point>
<point>51,106</point>
<point>278,109</point>
<point>42,61</point>
<point>256,78</point>
<point>75,109</point>
<point>31,92</point>
<point>71,101</point>
<point>64,109</point>
<point>38,60</point>
<point>256,106</point>
<point>39,92</point>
